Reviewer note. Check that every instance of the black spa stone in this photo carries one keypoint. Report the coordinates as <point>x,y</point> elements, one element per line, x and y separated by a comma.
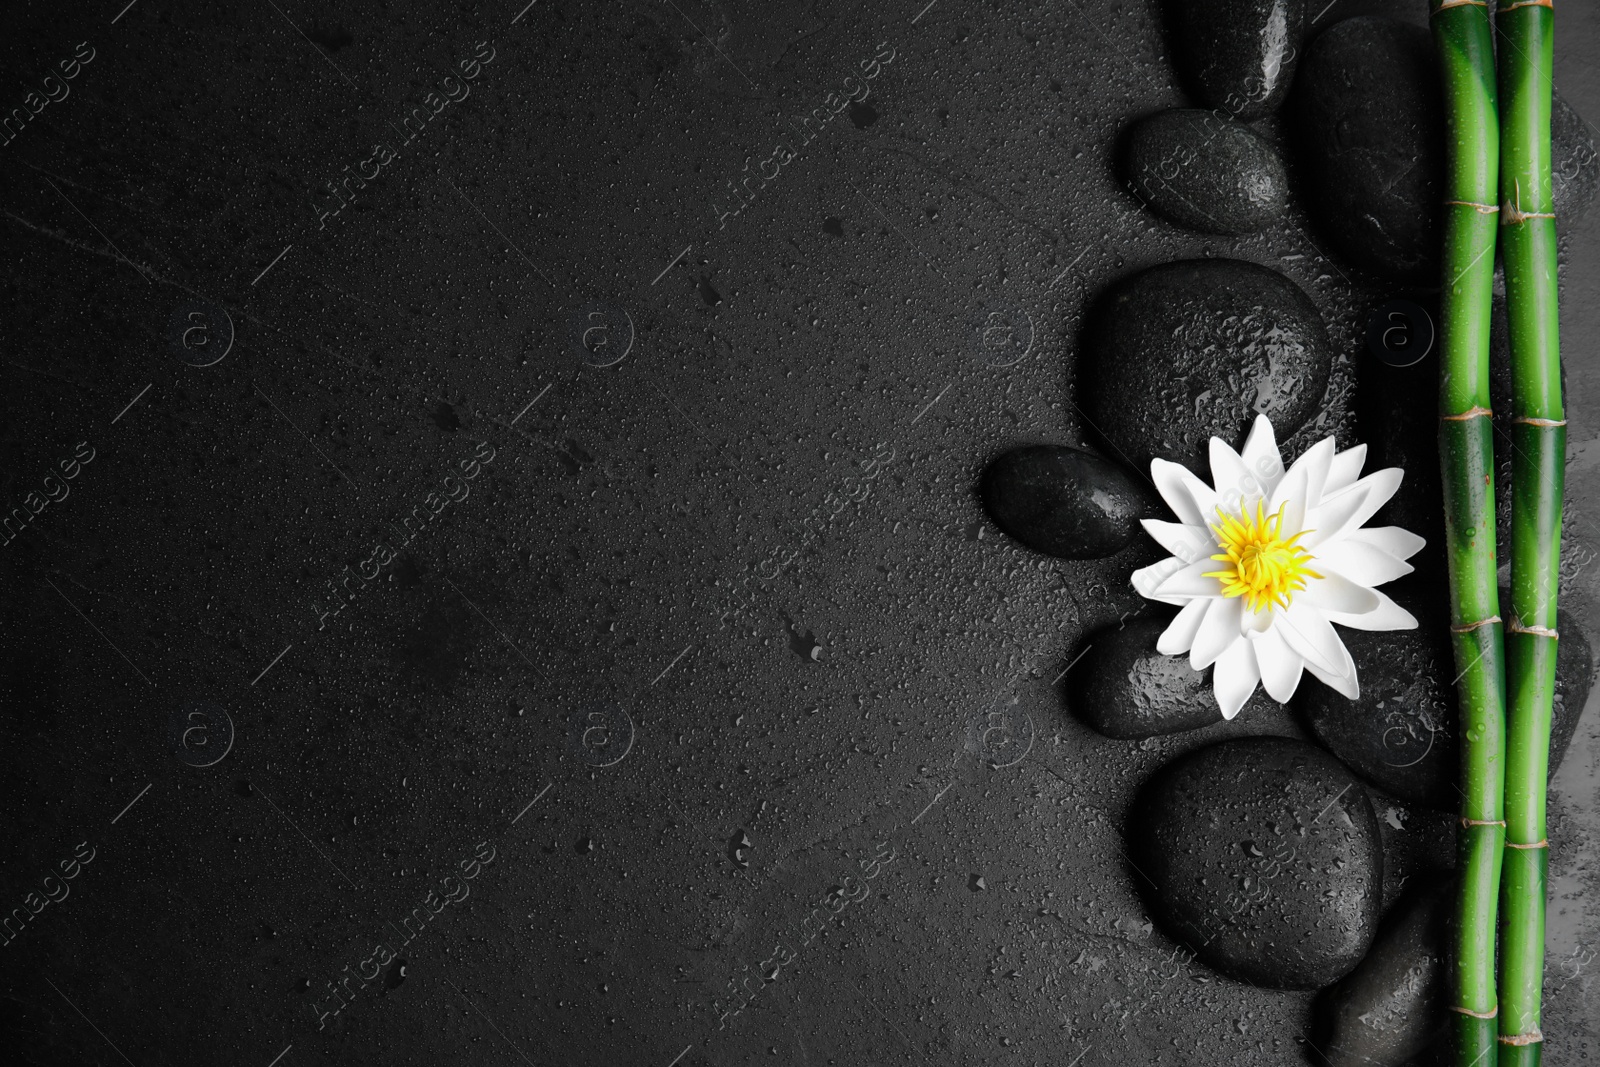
<point>1262,855</point>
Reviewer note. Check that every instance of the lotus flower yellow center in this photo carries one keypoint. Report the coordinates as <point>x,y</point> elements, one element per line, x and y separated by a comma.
<point>1260,564</point>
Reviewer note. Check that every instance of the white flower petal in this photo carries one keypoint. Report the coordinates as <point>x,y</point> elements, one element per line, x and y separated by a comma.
<point>1345,470</point>
<point>1344,684</point>
<point>1386,616</point>
<point>1235,677</point>
<point>1217,633</point>
<point>1309,633</point>
<point>1376,488</point>
<point>1146,579</point>
<point>1232,479</point>
<point>1186,541</point>
<point>1333,592</point>
<point>1334,517</point>
<point>1399,543</point>
<point>1261,456</point>
<point>1178,637</point>
<point>1190,580</point>
<point>1255,622</point>
<point>1290,495</point>
<point>1360,562</point>
<point>1280,665</point>
<point>1192,500</point>
<point>1318,460</point>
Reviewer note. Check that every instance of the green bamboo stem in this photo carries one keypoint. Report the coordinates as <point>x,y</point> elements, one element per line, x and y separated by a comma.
<point>1528,252</point>
<point>1464,41</point>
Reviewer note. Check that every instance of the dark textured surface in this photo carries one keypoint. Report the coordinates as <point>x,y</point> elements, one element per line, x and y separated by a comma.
<point>1190,350</point>
<point>1574,163</point>
<point>1263,855</point>
<point>755,537</point>
<point>1066,502</point>
<point>1202,170</point>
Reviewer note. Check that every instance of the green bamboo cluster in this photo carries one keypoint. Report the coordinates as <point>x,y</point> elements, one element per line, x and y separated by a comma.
<point>1499,191</point>
<point>1464,41</point>
<point>1539,439</point>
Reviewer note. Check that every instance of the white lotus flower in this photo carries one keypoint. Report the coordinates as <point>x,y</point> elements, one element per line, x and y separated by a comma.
<point>1266,561</point>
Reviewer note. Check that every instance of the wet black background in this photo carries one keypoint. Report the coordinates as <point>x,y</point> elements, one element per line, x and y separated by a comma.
<point>750,549</point>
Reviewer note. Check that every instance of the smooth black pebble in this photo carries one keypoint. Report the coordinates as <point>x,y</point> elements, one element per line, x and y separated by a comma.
<point>1190,350</point>
<point>1393,1006</point>
<point>1238,56</point>
<point>1064,501</point>
<point>1262,854</point>
<point>1205,171</point>
<point>1124,688</point>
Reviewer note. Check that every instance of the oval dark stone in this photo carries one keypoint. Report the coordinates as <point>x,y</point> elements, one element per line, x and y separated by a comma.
<point>1393,1006</point>
<point>1402,734</point>
<point>1369,119</point>
<point>1238,55</point>
<point>1203,170</point>
<point>1188,350</point>
<point>1065,502</point>
<point>1124,688</point>
<point>1262,854</point>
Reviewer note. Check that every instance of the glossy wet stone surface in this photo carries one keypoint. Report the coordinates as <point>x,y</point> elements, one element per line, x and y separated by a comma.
<point>1368,120</point>
<point>1394,1005</point>
<point>1238,56</point>
<point>1263,856</point>
<point>1202,170</point>
<point>1403,733</point>
<point>1125,689</point>
<point>1065,502</point>
<point>1194,349</point>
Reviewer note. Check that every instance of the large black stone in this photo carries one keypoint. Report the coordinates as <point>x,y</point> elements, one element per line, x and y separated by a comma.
<point>1262,854</point>
<point>1238,56</point>
<point>1064,501</point>
<point>1188,350</point>
<point>1369,119</point>
<point>1393,1006</point>
<point>1402,734</point>
<point>1369,123</point>
<point>1205,171</point>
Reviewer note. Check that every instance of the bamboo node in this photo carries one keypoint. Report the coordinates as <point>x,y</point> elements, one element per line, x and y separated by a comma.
<point>1514,214</point>
<point>1471,626</point>
<point>1526,3</point>
<point>1445,5</point>
<point>1482,209</point>
<point>1515,626</point>
<point>1532,1037</point>
<point>1543,842</point>
<point>1470,413</point>
<point>1525,421</point>
<point>1490,1014</point>
<point>1482,822</point>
